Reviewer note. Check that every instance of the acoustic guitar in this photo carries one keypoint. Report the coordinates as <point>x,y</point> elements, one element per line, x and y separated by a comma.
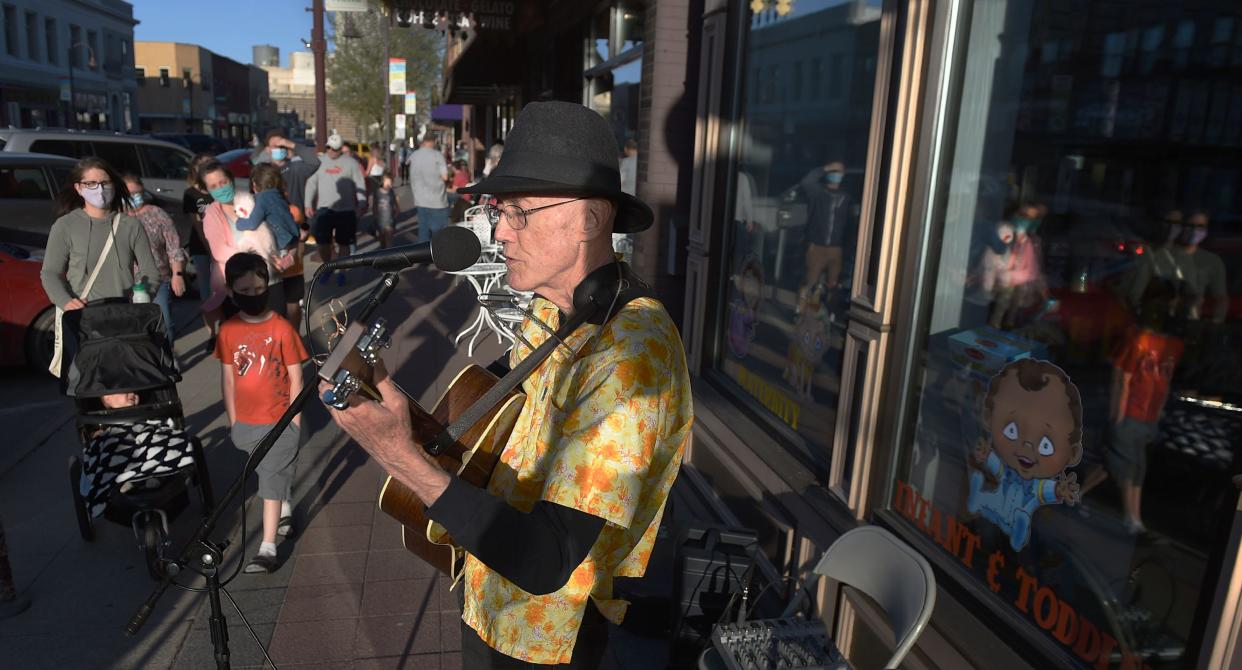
<point>472,457</point>
<point>464,436</point>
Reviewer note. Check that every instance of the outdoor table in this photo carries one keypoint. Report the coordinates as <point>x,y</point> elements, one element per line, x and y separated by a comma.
<point>483,277</point>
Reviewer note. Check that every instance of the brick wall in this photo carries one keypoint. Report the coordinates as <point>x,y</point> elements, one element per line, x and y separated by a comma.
<point>666,121</point>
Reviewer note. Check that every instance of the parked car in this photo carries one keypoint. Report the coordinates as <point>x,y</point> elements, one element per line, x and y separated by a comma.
<point>163,165</point>
<point>237,161</point>
<point>28,187</point>
<point>27,319</point>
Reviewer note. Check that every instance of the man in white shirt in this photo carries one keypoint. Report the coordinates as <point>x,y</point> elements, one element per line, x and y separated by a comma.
<point>428,177</point>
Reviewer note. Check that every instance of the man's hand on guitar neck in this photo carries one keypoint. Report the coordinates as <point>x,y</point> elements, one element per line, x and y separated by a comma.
<point>383,430</point>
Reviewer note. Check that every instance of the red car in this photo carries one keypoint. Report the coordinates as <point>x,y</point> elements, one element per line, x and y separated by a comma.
<point>27,319</point>
<point>237,161</point>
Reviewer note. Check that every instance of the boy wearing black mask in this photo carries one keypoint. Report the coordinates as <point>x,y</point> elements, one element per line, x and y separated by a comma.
<point>262,357</point>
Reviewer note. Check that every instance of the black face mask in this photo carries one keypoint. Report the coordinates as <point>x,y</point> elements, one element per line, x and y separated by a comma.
<point>251,305</point>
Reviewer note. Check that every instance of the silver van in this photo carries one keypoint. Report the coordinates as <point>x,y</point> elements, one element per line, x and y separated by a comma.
<point>163,165</point>
<point>29,184</point>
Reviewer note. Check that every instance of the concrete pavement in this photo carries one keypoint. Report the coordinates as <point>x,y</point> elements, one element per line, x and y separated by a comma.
<point>347,595</point>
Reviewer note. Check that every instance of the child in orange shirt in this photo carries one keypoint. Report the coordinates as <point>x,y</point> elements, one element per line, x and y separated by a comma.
<point>262,357</point>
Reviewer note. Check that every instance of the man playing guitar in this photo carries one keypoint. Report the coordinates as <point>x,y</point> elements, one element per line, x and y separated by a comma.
<point>580,488</point>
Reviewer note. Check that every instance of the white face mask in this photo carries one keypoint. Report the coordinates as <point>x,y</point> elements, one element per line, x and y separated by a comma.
<point>99,196</point>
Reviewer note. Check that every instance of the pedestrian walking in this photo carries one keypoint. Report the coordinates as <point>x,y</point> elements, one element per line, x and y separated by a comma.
<point>262,357</point>
<point>429,177</point>
<point>225,240</point>
<point>385,209</point>
<point>93,247</point>
<point>335,197</point>
<point>165,249</point>
<point>193,203</point>
<point>404,164</point>
<point>297,163</point>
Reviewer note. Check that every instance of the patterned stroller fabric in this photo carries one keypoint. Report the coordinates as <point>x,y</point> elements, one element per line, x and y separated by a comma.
<point>131,453</point>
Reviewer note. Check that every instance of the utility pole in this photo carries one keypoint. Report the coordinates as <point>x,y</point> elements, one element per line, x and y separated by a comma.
<point>319,47</point>
<point>385,19</point>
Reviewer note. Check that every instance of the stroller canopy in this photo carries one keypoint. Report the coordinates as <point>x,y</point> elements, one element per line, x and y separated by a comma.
<point>121,348</point>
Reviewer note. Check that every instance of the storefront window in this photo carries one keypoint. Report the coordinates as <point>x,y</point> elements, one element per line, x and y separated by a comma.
<point>1076,414</point>
<point>798,187</point>
<point>613,89</point>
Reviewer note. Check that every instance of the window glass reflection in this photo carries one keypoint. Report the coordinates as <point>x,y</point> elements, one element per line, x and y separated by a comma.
<point>798,181</point>
<point>1079,413</point>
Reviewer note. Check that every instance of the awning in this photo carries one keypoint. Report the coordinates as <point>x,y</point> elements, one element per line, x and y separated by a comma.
<point>489,71</point>
<point>448,112</point>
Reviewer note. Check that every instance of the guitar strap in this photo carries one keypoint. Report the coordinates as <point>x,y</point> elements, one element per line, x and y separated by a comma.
<point>600,296</point>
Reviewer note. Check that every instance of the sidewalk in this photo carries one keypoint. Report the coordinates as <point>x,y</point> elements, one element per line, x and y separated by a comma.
<point>347,595</point>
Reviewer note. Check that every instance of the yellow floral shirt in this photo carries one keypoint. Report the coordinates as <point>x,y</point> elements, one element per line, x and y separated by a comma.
<point>602,432</point>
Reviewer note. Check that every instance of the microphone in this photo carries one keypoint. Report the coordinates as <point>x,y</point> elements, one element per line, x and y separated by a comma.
<point>451,249</point>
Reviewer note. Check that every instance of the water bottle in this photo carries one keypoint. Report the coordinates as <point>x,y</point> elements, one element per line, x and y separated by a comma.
<point>141,295</point>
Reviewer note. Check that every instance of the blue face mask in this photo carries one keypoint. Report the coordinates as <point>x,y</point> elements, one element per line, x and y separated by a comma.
<point>833,177</point>
<point>135,200</point>
<point>223,195</point>
<point>1022,225</point>
<point>280,153</point>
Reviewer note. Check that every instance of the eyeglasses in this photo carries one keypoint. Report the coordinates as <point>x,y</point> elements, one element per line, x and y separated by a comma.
<point>92,185</point>
<point>516,216</point>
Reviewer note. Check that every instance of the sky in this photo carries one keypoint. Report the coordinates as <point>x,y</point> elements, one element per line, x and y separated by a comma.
<point>227,27</point>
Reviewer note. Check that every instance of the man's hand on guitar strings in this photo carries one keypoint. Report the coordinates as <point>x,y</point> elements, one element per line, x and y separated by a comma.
<point>383,430</point>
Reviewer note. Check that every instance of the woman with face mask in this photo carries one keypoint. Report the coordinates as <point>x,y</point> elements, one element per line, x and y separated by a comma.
<point>1203,270</point>
<point>224,239</point>
<point>166,248</point>
<point>93,219</point>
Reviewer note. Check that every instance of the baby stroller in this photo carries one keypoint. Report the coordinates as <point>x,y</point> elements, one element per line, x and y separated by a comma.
<point>137,461</point>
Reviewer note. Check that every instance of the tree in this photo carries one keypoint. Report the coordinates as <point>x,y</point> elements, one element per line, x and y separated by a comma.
<point>356,68</point>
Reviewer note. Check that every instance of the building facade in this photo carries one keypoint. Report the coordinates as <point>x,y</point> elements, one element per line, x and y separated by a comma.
<point>189,89</point>
<point>963,270</point>
<point>633,62</point>
<point>915,223</point>
<point>176,88</point>
<point>67,64</point>
<point>292,91</point>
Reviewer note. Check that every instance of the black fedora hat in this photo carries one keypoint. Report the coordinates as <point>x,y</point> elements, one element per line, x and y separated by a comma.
<point>562,148</point>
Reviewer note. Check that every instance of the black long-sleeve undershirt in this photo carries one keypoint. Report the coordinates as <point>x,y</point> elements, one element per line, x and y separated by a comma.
<point>536,551</point>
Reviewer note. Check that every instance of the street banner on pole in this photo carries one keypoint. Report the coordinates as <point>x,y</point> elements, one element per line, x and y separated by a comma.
<point>66,93</point>
<point>399,126</point>
<point>396,76</point>
<point>346,6</point>
<point>411,103</point>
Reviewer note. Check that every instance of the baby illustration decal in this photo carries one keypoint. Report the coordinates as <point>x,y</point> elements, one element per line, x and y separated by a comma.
<point>1032,419</point>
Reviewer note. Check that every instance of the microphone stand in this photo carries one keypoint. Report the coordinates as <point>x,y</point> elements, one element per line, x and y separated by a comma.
<point>211,554</point>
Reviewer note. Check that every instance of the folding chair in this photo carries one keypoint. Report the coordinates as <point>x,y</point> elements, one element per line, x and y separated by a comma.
<point>892,574</point>
<point>876,563</point>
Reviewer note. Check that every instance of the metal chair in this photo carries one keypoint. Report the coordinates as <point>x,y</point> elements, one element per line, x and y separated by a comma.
<point>891,573</point>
